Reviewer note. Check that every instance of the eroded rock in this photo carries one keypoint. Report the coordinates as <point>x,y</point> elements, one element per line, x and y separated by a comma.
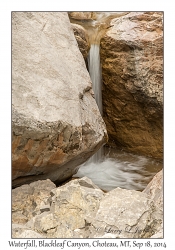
<point>79,209</point>
<point>81,15</point>
<point>71,206</point>
<point>82,39</point>
<point>21,231</point>
<point>155,189</point>
<point>29,200</point>
<point>126,214</point>
<point>55,120</point>
<point>132,71</point>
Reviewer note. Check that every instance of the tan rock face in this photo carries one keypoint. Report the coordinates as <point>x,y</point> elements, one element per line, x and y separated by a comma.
<point>82,39</point>
<point>79,209</point>
<point>29,200</point>
<point>55,120</point>
<point>20,231</point>
<point>132,69</point>
<point>155,189</point>
<point>155,192</point>
<point>81,15</point>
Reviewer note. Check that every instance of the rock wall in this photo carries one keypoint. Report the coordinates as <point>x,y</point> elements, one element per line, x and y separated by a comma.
<point>132,71</point>
<point>55,120</point>
<point>79,209</point>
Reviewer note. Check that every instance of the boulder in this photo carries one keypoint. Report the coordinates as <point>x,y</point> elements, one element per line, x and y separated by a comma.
<point>132,72</point>
<point>21,231</point>
<point>155,189</point>
<point>72,205</point>
<point>56,123</point>
<point>30,200</point>
<point>125,214</point>
<point>79,209</point>
<point>82,39</point>
<point>155,192</point>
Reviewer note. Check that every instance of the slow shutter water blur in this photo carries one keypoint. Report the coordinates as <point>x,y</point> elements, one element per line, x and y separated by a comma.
<point>110,168</point>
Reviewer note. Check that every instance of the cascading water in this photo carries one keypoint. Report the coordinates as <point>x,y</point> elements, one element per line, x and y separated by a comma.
<point>123,169</point>
<point>95,74</point>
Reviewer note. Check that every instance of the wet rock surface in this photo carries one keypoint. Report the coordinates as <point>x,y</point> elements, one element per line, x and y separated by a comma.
<point>132,71</point>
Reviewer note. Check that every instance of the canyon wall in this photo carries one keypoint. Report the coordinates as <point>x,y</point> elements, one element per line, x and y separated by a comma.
<point>132,72</point>
<point>56,124</point>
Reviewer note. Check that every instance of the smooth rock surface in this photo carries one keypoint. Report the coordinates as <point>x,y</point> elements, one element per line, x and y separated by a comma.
<point>55,120</point>
<point>132,71</point>
<point>82,39</point>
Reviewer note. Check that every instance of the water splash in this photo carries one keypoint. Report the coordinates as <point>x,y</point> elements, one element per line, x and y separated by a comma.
<point>126,171</point>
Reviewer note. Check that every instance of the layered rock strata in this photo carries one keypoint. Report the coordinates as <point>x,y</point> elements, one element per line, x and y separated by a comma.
<point>56,124</point>
<point>132,71</point>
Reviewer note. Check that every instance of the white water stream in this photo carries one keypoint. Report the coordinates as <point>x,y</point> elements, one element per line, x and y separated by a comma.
<point>95,74</point>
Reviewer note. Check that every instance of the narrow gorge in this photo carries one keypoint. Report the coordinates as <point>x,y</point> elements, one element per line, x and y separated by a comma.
<point>87,123</point>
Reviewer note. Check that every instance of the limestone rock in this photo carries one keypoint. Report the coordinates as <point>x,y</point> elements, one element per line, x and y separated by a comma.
<point>155,189</point>
<point>20,231</point>
<point>127,214</point>
<point>29,200</point>
<point>55,120</point>
<point>71,206</point>
<point>82,39</point>
<point>158,235</point>
<point>132,71</point>
<point>79,209</point>
<point>81,15</point>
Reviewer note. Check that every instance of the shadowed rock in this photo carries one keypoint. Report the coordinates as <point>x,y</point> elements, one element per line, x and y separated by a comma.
<point>132,72</point>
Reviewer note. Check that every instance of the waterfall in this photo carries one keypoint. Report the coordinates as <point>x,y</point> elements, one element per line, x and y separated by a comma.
<point>95,73</point>
<point>130,171</point>
<point>108,170</point>
<point>96,78</point>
